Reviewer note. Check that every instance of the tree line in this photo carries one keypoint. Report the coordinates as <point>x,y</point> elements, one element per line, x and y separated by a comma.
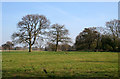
<point>100,39</point>
<point>35,31</point>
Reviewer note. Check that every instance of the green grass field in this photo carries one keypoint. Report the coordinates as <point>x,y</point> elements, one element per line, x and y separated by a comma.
<point>59,64</point>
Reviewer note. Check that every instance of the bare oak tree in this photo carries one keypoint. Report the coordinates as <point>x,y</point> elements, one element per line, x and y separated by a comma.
<point>58,33</point>
<point>114,27</point>
<point>30,29</point>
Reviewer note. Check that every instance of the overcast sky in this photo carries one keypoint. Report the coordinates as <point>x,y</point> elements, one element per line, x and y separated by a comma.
<point>74,15</point>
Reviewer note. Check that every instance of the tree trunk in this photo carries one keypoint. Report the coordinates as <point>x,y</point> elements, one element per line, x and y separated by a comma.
<point>57,43</point>
<point>30,48</point>
<point>30,45</point>
<point>56,46</point>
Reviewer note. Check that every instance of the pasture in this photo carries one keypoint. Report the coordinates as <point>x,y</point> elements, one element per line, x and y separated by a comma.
<point>59,64</point>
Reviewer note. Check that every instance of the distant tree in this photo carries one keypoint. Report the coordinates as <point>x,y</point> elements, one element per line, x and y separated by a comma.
<point>58,33</point>
<point>18,48</point>
<point>61,47</point>
<point>65,47</point>
<point>5,47</point>
<point>30,29</point>
<point>8,45</point>
<point>35,48</point>
<point>86,38</point>
<point>50,47</point>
